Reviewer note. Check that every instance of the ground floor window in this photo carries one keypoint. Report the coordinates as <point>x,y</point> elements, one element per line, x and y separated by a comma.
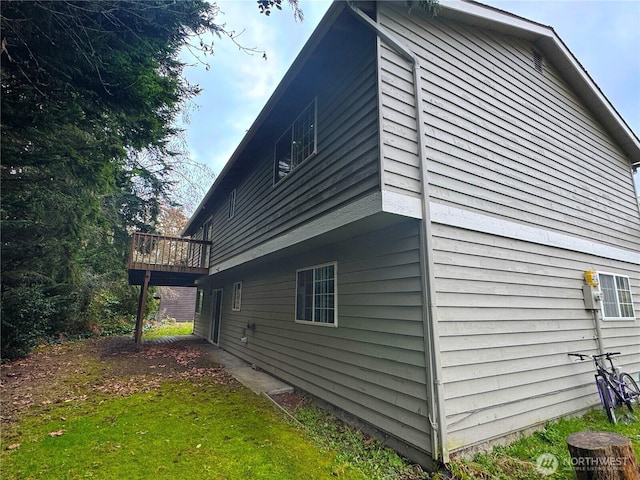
<point>316,294</point>
<point>617,303</point>
<point>237,296</point>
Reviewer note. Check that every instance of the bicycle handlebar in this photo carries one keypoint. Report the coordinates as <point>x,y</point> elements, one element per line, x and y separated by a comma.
<point>584,355</point>
<point>608,354</point>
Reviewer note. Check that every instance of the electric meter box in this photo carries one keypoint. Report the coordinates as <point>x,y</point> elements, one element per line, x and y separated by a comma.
<point>592,297</point>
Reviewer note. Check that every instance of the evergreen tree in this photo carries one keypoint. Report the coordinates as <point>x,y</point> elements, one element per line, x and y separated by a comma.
<point>90,92</point>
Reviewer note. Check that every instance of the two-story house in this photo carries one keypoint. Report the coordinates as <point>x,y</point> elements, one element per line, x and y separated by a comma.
<point>403,231</point>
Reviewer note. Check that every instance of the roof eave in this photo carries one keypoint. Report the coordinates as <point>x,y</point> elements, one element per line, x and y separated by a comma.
<point>330,16</point>
<point>552,46</point>
<point>481,15</point>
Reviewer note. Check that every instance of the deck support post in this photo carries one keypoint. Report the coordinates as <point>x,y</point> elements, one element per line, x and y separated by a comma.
<point>141,303</point>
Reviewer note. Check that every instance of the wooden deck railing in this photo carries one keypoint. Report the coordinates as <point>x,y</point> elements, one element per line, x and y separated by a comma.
<point>158,252</point>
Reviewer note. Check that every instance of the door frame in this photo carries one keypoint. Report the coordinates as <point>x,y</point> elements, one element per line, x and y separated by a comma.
<point>216,316</point>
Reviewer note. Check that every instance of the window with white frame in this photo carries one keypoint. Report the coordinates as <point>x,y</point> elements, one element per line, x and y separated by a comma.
<point>617,303</point>
<point>316,294</point>
<point>296,144</point>
<point>237,296</point>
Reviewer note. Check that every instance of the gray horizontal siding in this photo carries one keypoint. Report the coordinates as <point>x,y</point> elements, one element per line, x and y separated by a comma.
<point>399,132</point>
<point>509,312</point>
<point>506,140</point>
<point>200,326</point>
<point>177,303</point>
<point>345,168</point>
<point>372,364</point>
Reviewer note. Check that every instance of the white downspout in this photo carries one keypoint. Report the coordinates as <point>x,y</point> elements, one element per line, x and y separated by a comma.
<point>432,337</point>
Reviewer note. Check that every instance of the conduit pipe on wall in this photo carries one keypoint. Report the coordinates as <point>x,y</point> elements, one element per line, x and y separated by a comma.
<point>437,417</point>
<point>597,324</point>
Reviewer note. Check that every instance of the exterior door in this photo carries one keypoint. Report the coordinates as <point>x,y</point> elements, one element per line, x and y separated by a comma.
<point>214,328</point>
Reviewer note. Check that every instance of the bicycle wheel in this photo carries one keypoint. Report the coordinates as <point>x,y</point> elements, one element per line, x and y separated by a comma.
<point>630,390</point>
<point>605,399</point>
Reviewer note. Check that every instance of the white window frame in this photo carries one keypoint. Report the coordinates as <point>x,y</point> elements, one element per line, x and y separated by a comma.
<point>232,204</point>
<point>313,320</point>
<point>618,292</point>
<point>237,297</point>
<point>291,136</point>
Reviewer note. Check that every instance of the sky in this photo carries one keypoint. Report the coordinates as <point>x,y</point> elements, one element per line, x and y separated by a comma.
<point>604,35</point>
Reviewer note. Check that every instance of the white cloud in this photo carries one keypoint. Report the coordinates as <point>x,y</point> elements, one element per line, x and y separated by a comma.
<point>255,75</point>
<point>238,85</point>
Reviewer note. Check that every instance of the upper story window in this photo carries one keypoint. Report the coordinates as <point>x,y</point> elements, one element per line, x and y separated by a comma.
<point>316,294</point>
<point>296,144</point>
<point>617,303</point>
<point>232,203</point>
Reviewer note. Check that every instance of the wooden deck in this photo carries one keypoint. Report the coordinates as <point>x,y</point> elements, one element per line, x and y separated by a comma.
<point>171,261</point>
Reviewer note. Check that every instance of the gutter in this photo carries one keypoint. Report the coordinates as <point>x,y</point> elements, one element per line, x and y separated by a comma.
<point>435,393</point>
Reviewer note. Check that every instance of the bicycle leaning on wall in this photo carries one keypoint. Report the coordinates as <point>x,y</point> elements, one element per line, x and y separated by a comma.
<point>616,388</point>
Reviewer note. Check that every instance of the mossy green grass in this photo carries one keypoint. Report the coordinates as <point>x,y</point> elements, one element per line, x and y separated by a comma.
<point>518,461</point>
<point>105,409</point>
<point>180,431</point>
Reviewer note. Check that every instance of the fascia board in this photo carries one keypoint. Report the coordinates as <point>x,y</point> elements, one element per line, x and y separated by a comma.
<point>576,75</point>
<point>481,15</point>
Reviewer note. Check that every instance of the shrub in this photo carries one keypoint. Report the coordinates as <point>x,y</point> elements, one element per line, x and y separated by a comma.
<point>27,314</point>
<point>113,309</point>
<point>109,315</point>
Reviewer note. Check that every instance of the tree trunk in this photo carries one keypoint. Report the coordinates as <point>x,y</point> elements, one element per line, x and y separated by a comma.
<point>602,456</point>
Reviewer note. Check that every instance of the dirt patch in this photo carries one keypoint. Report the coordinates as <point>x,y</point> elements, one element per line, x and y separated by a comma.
<point>291,402</point>
<point>114,366</point>
<point>111,365</point>
<point>124,357</point>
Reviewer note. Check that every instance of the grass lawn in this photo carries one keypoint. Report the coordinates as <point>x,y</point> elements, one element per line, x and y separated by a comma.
<point>106,408</point>
<point>166,329</point>
<point>518,460</point>
<point>180,430</point>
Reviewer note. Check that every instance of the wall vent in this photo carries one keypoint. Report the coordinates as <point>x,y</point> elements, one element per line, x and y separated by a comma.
<point>537,60</point>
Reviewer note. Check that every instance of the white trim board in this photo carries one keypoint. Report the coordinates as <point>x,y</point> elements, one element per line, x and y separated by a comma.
<point>343,216</point>
<point>457,217</point>
<point>399,204</point>
<point>404,205</point>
